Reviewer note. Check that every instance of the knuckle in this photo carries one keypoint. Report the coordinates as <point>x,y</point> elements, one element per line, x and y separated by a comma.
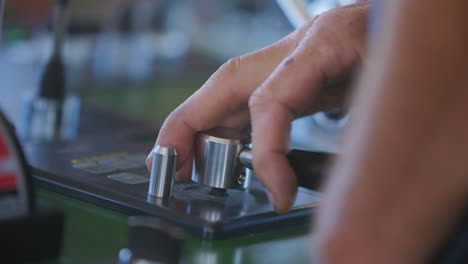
<point>258,100</point>
<point>173,121</point>
<point>172,117</point>
<point>309,24</point>
<point>175,114</point>
<point>335,15</point>
<point>231,67</point>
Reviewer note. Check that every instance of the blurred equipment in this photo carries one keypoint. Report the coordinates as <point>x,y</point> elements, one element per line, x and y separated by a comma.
<point>108,169</point>
<point>137,43</point>
<point>2,8</point>
<point>321,131</point>
<point>52,114</point>
<point>28,232</point>
<point>16,197</point>
<point>151,240</point>
<point>295,11</point>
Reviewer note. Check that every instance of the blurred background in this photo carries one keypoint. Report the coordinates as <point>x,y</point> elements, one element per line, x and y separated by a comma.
<point>140,58</point>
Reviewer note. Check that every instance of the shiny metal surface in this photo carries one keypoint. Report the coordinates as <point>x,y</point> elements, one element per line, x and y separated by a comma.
<point>216,162</point>
<point>162,171</point>
<point>245,158</point>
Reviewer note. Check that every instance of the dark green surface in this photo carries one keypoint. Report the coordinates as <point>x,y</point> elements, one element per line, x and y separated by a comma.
<point>95,235</point>
<point>91,233</point>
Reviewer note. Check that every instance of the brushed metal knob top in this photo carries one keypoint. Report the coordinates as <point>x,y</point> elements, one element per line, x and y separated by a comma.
<point>216,161</point>
<point>162,171</point>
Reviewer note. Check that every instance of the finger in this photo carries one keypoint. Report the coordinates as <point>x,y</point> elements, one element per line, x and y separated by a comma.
<point>287,93</point>
<point>185,170</point>
<point>225,93</point>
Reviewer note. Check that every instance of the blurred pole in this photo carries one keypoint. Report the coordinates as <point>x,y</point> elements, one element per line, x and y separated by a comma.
<point>2,8</point>
<point>295,11</point>
<point>52,114</point>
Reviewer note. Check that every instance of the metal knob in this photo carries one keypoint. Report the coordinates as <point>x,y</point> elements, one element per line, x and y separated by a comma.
<point>221,162</point>
<point>216,163</point>
<point>162,171</point>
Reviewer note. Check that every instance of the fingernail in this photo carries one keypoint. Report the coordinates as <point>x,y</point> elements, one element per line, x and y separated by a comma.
<point>148,158</point>
<point>150,154</point>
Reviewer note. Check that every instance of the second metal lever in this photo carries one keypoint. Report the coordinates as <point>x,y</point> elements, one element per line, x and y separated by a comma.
<point>220,162</point>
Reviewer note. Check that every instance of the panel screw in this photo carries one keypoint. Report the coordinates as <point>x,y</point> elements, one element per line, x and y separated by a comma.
<point>241,178</point>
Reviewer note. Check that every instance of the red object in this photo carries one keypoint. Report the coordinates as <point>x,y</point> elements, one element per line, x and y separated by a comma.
<point>7,176</point>
<point>7,182</point>
<point>4,153</point>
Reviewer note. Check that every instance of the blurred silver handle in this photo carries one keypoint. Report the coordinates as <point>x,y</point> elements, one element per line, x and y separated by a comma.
<point>295,11</point>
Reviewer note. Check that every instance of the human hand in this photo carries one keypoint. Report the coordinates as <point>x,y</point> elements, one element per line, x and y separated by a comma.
<point>267,89</point>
